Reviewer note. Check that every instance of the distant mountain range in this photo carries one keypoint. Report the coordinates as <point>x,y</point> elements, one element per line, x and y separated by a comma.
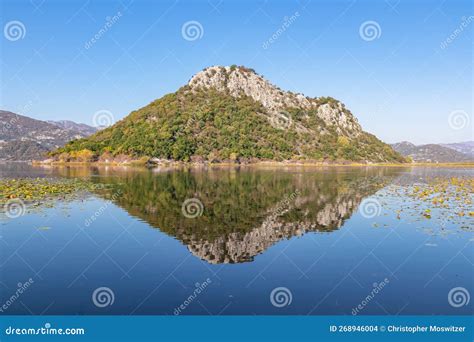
<point>437,153</point>
<point>466,147</point>
<point>23,138</point>
<point>84,129</point>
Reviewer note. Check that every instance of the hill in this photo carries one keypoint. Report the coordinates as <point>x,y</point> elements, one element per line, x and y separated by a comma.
<point>466,147</point>
<point>81,128</point>
<point>234,114</point>
<point>431,153</point>
<point>23,138</point>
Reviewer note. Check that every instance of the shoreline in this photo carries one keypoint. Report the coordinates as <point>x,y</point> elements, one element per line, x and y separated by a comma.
<point>252,164</point>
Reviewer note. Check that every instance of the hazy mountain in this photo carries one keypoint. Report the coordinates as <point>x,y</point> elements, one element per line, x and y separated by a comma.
<point>466,147</point>
<point>24,138</point>
<point>433,153</point>
<point>75,127</point>
<point>230,113</point>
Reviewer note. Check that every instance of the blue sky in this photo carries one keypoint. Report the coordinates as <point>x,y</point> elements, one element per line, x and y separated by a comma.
<point>401,85</point>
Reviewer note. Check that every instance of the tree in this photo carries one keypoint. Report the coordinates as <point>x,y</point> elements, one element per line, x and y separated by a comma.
<point>64,157</point>
<point>85,155</point>
<point>343,141</point>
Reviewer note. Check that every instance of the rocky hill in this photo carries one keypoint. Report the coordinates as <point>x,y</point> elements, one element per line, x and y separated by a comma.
<point>23,138</point>
<point>81,128</point>
<point>431,153</point>
<point>466,147</point>
<point>234,114</point>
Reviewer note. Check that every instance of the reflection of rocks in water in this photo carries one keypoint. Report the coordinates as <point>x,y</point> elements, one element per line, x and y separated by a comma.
<point>238,247</point>
<point>245,211</point>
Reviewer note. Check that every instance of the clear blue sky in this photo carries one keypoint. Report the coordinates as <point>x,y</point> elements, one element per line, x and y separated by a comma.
<point>401,86</point>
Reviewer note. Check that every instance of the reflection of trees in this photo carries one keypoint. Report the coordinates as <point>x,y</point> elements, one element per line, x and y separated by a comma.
<point>245,212</point>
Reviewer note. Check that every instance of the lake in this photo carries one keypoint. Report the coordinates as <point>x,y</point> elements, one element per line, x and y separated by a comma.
<point>249,240</point>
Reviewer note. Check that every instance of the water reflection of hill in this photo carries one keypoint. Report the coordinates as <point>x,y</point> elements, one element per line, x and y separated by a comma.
<point>245,212</point>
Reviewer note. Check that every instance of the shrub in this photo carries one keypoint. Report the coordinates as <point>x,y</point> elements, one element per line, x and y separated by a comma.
<point>85,155</point>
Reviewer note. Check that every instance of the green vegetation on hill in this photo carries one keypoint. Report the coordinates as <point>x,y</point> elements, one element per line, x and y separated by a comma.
<point>215,126</point>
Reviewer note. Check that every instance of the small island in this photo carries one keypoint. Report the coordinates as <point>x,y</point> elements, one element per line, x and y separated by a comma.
<point>233,115</point>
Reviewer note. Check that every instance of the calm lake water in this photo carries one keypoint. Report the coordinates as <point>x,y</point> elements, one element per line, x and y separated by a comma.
<point>278,241</point>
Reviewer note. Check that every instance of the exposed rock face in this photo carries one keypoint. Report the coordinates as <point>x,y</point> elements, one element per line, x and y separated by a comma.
<point>243,81</point>
<point>246,81</point>
<point>238,248</point>
<point>334,115</point>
